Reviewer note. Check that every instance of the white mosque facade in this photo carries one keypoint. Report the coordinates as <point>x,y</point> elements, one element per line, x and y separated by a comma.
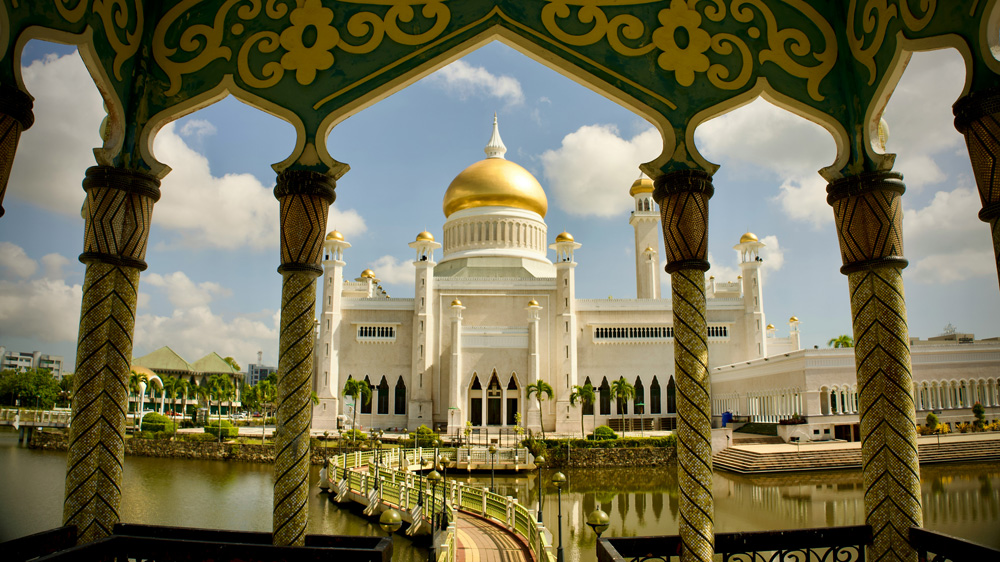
<point>492,314</point>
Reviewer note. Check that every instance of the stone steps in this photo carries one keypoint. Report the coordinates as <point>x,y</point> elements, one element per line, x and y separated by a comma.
<point>747,462</point>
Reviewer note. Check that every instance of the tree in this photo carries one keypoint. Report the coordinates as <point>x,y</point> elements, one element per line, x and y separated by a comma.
<point>221,388</point>
<point>34,387</point>
<point>265,396</point>
<point>841,341</point>
<point>136,382</point>
<point>170,387</point>
<point>184,387</point>
<point>622,391</point>
<point>357,388</point>
<point>980,413</point>
<point>541,390</point>
<point>232,363</point>
<point>585,396</point>
<point>932,421</point>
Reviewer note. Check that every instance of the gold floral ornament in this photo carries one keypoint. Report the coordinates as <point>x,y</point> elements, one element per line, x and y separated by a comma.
<point>304,59</point>
<point>689,59</point>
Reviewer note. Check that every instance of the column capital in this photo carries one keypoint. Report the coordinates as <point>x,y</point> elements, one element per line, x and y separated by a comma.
<point>118,211</point>
<point>869,217</point>
<point>974,107</point>
<point>17,104</point>
<point>683,199</point>
<point>305,199</point>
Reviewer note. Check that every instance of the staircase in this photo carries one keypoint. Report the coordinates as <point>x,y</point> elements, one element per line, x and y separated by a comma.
<point>748,462</point>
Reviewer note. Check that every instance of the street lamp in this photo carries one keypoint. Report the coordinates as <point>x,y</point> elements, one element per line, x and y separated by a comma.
<point>390,521</point>
<point>434,478</point>
<point>558,479</point>
<point>598,521</point>
<point>539,462</point>
<point>640,409</point>
<point>378,450</point>
<point>493,459</point>
<point>444,493</point>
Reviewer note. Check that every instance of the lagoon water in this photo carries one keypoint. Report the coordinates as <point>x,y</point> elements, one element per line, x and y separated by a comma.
<point>958,499</point>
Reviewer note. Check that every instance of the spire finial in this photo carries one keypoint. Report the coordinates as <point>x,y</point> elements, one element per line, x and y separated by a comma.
<point>495,148</point>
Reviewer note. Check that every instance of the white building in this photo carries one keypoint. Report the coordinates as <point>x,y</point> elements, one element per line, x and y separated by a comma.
<point>22,361</point>
<point>495,314</point>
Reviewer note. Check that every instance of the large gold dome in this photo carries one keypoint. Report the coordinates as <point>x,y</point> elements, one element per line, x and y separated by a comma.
<point>495,182</point>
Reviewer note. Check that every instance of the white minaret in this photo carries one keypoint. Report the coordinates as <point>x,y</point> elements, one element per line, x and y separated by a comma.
<point>645,220</point>
<point>420,409</point>
<point>326,380</point>
<point>455,421</point>
<point>753,295</point>
<point>534,421</point>
<point>565,376</point>
<point>793,332</point>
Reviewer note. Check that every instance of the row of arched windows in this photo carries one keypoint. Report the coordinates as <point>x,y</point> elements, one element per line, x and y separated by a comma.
<point>634,332</point>
<point>377,332</point>
<point>380,396</point>
<point>640,405</point>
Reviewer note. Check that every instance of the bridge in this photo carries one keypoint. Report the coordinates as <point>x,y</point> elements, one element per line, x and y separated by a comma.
<point>25,421</point>
<point>459,518</point>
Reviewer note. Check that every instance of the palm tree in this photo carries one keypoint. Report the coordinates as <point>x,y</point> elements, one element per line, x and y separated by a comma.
<point>135,383</point>
<point>220,387</point>
<point>265,395</point>
<point>355,388</point>
<point>232,363</point>
<point>170,388</point>
<point>622,391</point>
<point>203,392</point>
<point>585,395</point>
<point>183,387</point>
<point>841,341</point>
<point>541,390</point>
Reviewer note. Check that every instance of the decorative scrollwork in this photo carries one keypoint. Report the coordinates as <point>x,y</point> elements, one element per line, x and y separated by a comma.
<point>876,17</point>
<point>116,17</point>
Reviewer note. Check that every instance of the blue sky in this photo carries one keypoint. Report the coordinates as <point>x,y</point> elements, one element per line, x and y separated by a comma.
<point>212,285</point>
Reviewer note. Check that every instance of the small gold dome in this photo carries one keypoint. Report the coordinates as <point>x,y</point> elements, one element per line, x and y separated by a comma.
<point>770,327</point>
<point>565,237</point>
<point>425,237</point>
<point>456,302</point>
<point>710,277</point>
<point>748,237</point>
<point>533,302</point>
<point>641,185</point>
<point>793,319</point>
<point>368,274</point>
<point>335,235</point>
<point>495,182</point>
<point>650,250</point>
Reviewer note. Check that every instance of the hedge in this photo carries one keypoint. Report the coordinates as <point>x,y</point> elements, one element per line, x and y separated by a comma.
<point>622,443</point>
<point>156,423</point>
<point>228,430</point>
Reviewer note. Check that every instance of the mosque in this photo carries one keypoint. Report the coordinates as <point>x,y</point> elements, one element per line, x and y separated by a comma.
<point>493,315</point>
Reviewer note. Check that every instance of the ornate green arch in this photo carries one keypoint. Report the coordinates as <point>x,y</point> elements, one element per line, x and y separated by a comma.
<point>675,62</point>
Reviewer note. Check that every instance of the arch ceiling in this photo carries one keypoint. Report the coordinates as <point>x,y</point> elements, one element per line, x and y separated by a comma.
<point>676,62</point>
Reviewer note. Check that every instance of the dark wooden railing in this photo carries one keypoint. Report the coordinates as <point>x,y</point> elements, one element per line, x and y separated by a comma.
<point>937,547</point>
<point>148,542</point>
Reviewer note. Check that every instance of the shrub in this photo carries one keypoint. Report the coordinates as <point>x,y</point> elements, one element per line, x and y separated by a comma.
<point>153,422</point>
<point>980,413</point>
<point>228,430</point>
<point>352,435</point>
<point>198,437</point>
<point>604,432</point>
<point>932,421</point>
<point>424,437</point>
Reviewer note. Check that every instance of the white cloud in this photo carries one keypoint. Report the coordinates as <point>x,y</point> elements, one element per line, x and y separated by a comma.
<point>14,260</point>
<point>46,308</point>
<point>198,128</point>
<point>184,293</point>
<point>591,172</point>
<point>804,199</point>
<point>772,254</point>
<point>932,234</point>
<point>465,80</point>
<point>723,273</point>
<point>69,112</point>
<point>391,270</point>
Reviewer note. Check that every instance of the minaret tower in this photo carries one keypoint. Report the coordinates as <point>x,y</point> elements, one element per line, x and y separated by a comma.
<point>565,332</point>
<point>326,382</point>
<point>645,220</point>
<point>753,295</point>
<point>534,421</point>
<point>420,410</point>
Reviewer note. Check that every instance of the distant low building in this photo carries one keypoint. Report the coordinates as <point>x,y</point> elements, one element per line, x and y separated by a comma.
<point>257,372</point>
<point>25,360</point>
<point>167,362</point>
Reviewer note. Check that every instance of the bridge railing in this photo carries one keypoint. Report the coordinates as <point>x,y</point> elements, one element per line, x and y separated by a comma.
<point>42,417</point>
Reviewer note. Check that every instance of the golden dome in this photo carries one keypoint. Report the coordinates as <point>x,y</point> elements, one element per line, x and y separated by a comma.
<point>368,274</point>
<point>641,185</point>
<point>564,237</point>
<point>335,235</point>
<point>770,327</point>
<point>533,302</point>
<point>748,237</point>
<point>495,182</point>
<point>425,237</point>
<point>650,250</point>
<point>793,319</point>
<point>456,302</point>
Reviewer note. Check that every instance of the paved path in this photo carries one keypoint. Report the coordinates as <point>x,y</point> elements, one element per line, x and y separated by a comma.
<point>480,540</point>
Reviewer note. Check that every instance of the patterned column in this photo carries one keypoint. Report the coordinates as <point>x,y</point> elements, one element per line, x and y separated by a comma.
<point>118,209</point>
<point>15,117</point>
<point>869,219</point>
<point>977,116</point>
<point>305,199</point>
<point>683,199</point>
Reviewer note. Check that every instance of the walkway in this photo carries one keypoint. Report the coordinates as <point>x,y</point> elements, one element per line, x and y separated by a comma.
<point>480,540</point>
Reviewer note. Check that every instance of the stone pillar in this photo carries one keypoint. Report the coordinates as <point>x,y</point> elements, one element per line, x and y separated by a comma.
<point>534,421</point>
<point>118,209</point>
<point>869,216</point>
<point>455,422</point>
<point>683,199</point>
<point>305,199</point>
<point>15,117</point>
<point>977,116</point>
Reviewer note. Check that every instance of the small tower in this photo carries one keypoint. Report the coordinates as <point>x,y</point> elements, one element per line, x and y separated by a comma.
<point>753,295</point>
<point>793,332</point>
<point>326,380</point>
<point>645,220</point>
<point>420,406</point>
<point>565,331</point>
<point>370,283</point>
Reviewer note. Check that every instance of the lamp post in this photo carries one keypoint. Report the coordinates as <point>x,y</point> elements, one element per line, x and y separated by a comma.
<point>444,494</point>
<point>598,521</point>
<point>493,459</point>
<point>434,478</point>
<point>390,521</point>
<point>378,450</point>
<point>539,461</point>
<point>640,409</point>
<point>558,479</point>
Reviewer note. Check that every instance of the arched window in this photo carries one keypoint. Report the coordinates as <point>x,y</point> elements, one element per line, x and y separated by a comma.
<point>383,397</point>
<point>605,391</point>
<point>366,408</point>
<point>640,397</point>
<point>588,409</point>
<point>400,408</point>
<point>654,397</point>
<point>671,396</point>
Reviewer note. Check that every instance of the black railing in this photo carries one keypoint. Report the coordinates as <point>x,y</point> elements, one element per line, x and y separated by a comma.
<point>833,544</point>
<point>147,542</point>
<point>936,547</point>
